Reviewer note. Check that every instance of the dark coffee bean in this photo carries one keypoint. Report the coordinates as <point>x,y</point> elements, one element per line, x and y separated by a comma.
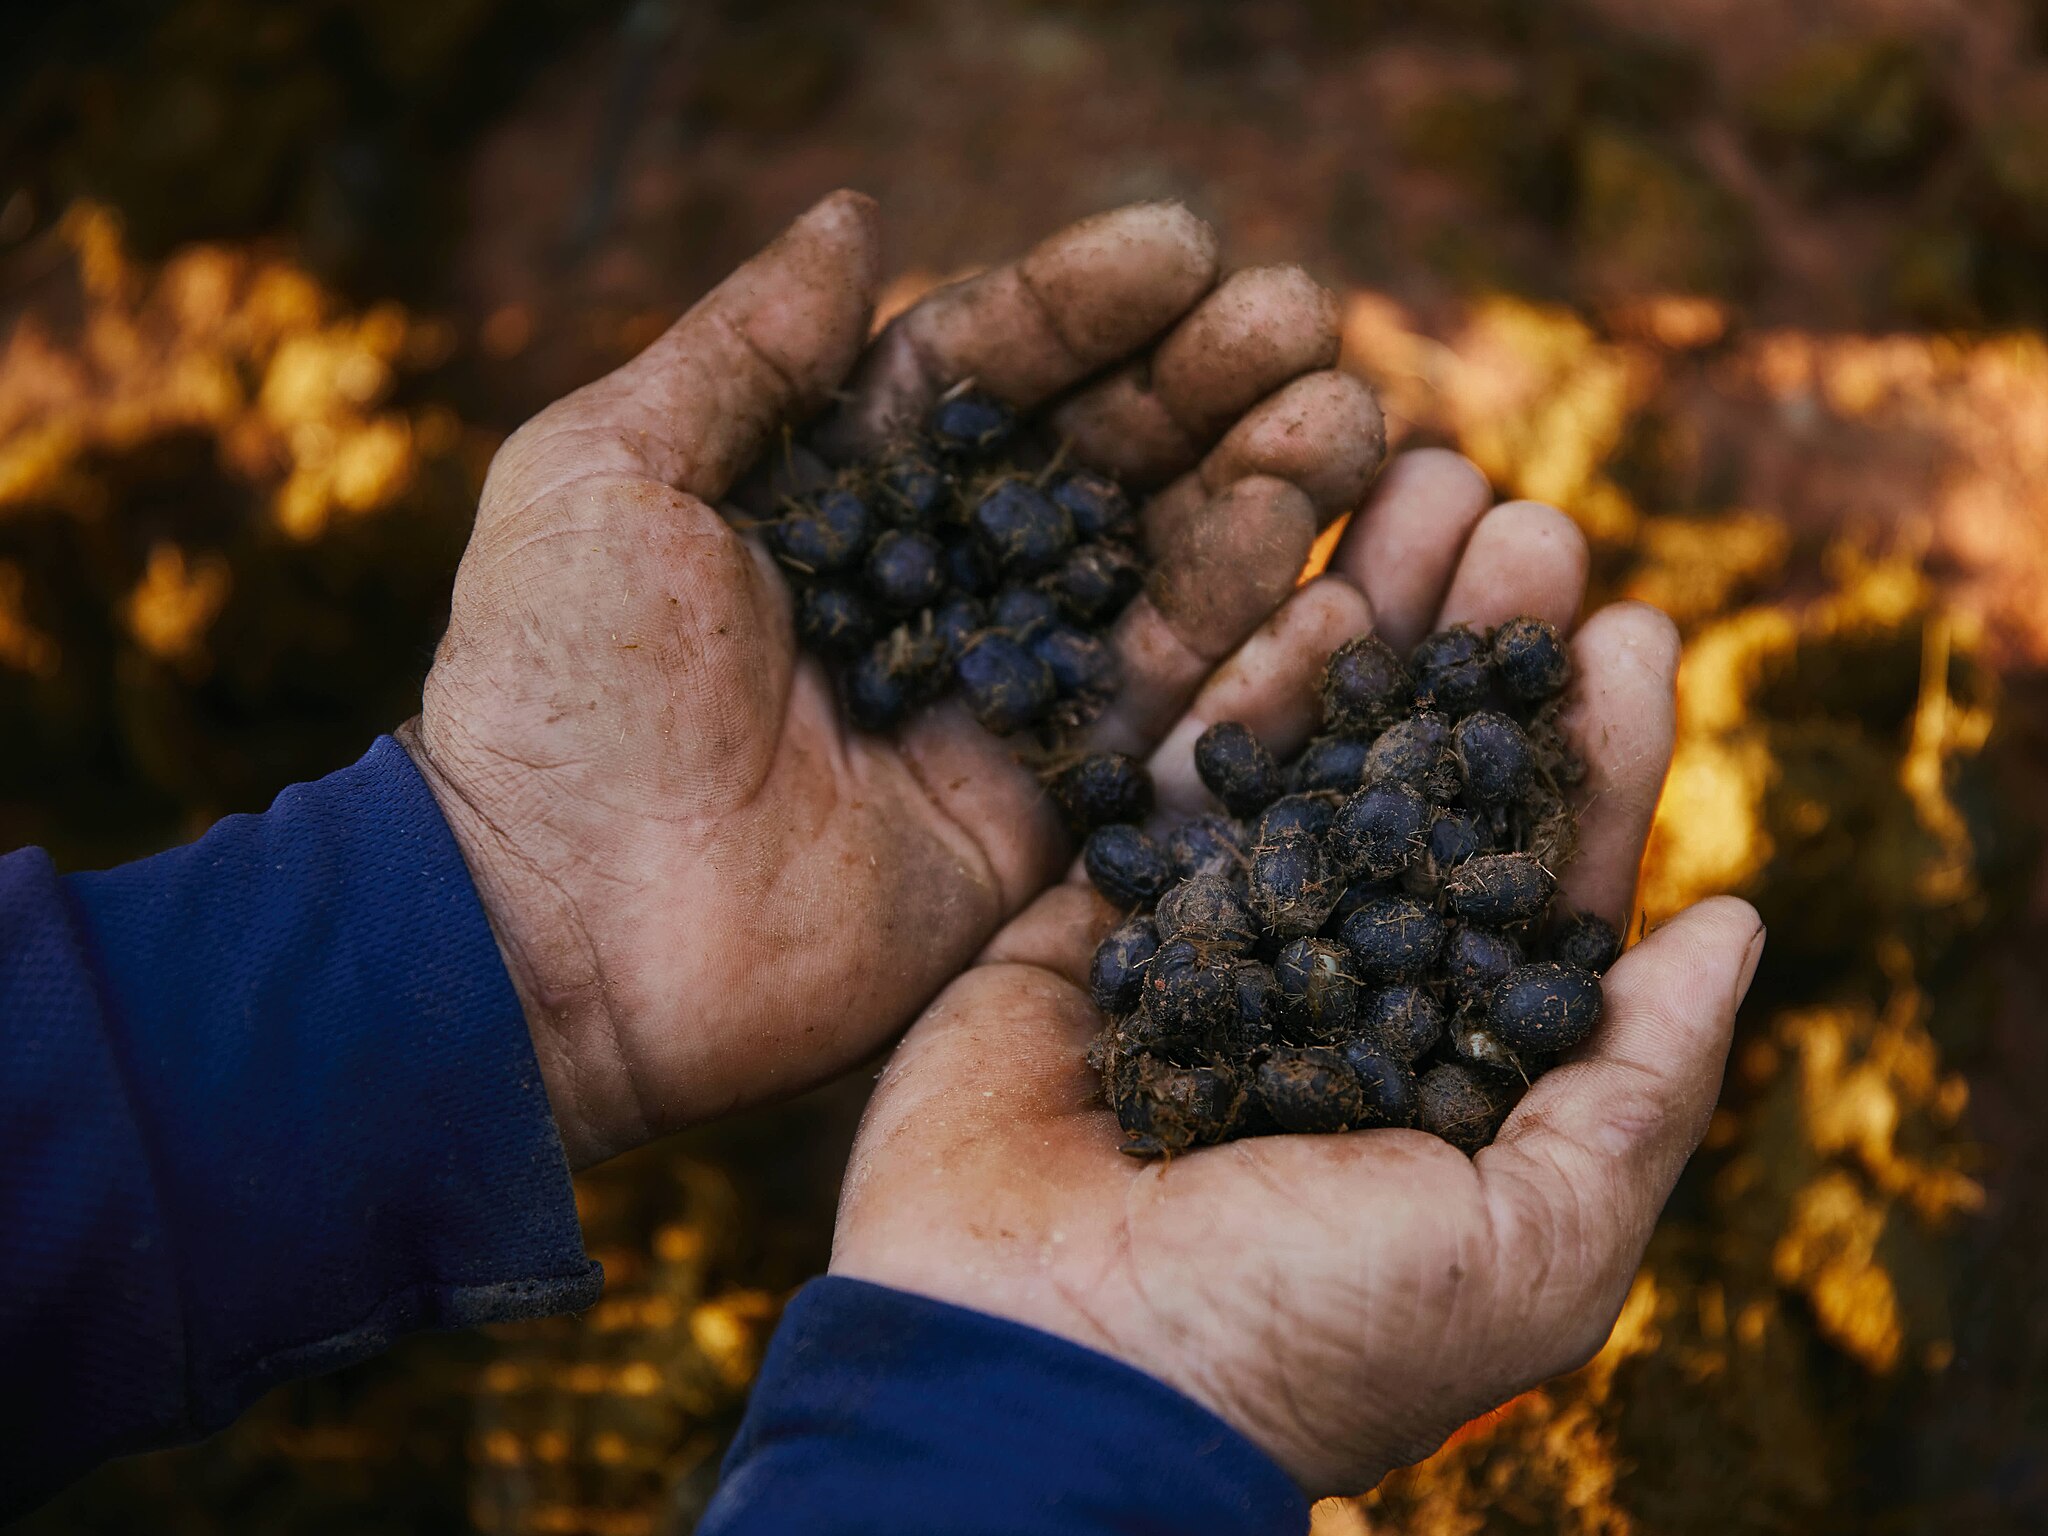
<point>1095,583</point>
<point>903,669</point>
<point>1290,887</point>
<point>1403,1020</point>
<point>876,698</point>
<point>1118,970</point>
<point>1334,763</point>
<point>1586,942</point>
<point>1499,888</point>
<point>1531,660</point>
<point>1379,831</point>
<point>1256,1019</point>
<point>1188,988</point>
<point>1386,1084</point>
<point>1462,1104</point>
<point>1101,788</point>
<point>1171,1108</point>
<point>1024,531</point>
<point>1455,836</point>
<point>1126,865</point>
<point>1316,977</point>
<point>1207,845</point>
<point>834,619</point>
<point>1082,665</point>
<point>1393,939</point>
<point>1310,1090</point>
<point>1364,686</point>
<point>1208,911</point>
<point>1477,959</point>
<point>1356,895</point>
<point>1309,815</point>
<point>1452,671</point>
<point>1004,685</point>
<point>1236,769</point>
<point>956,621</point>
<point>1097,505</point>
<point>905,569</point>
<point>914,489</point>
<point>1544,1007</point>
<point>1415,751</point>
<point>1495,763</point>
<point>972,423</point>
<point>830,536</point>
<point>971,568</point>
<point>1024,612</point>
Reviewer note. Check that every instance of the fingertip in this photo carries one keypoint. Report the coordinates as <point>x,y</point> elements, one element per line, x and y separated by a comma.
<point>1260,328</point>
<point>1458,477</point>
<point>1113,281</point>
<point>1671,1003</point>
<point>1641,628</point>
<point>1720,937</point>
<point>848,220</point>
<point>1058,933</point>
<point>848,204</point>
<point>1173,220</point>
<point>1325,432</point>
<point>1525,557</point>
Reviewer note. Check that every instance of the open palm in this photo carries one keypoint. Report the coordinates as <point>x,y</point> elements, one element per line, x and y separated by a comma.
<point>1345,1301</point>
<point>708,889</point>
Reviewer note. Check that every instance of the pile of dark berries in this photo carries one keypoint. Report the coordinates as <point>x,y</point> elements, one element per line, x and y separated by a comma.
<point>1365,936</point>
<point>946,564</point>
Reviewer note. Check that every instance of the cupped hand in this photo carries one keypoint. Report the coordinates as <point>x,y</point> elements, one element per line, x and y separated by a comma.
<point>1345,1301</point>
<point>708,889</point>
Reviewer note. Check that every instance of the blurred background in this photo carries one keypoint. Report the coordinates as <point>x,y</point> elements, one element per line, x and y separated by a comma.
<point>1755,291</point>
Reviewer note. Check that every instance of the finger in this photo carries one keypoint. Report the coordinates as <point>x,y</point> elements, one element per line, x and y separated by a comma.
<point>1152,418</point>
<point>1622,719</point>
<point>1324,433</point>
<point>1525,557</point>
<point>1057,933</point>
<point>763,348</point>
<point>1081,300</point>
<point>1006,1044</point>
<point>1404,545</point>
<point>1269,685</point>
<point>1580,1171</point>
<point>1211,587</point>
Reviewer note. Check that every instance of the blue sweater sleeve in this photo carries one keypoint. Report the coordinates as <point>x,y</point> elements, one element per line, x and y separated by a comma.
<point>880,1413</point>
<point>266,1102</point>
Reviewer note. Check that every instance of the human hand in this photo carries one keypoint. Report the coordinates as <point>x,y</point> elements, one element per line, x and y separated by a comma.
<point>707,889</point>
<point>1345,1301</point>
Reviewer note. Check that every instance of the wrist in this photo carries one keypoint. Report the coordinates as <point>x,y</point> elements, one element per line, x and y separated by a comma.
<point>1245,1395</point>
<point>551,961</point>
<point>926,1416</point>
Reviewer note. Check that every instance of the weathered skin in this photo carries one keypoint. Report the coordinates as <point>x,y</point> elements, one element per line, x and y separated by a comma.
<point>1344,1300</point>
<point>709,892</point>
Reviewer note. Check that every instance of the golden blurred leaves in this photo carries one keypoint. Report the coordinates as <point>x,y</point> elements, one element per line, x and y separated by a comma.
<point>1822,745</point>
<point>246,349</point>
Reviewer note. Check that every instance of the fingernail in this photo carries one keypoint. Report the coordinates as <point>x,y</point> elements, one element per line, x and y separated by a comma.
<point>1750,958</point>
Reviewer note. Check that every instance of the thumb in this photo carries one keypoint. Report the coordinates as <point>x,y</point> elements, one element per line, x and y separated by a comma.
<point>1585,1163</point>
